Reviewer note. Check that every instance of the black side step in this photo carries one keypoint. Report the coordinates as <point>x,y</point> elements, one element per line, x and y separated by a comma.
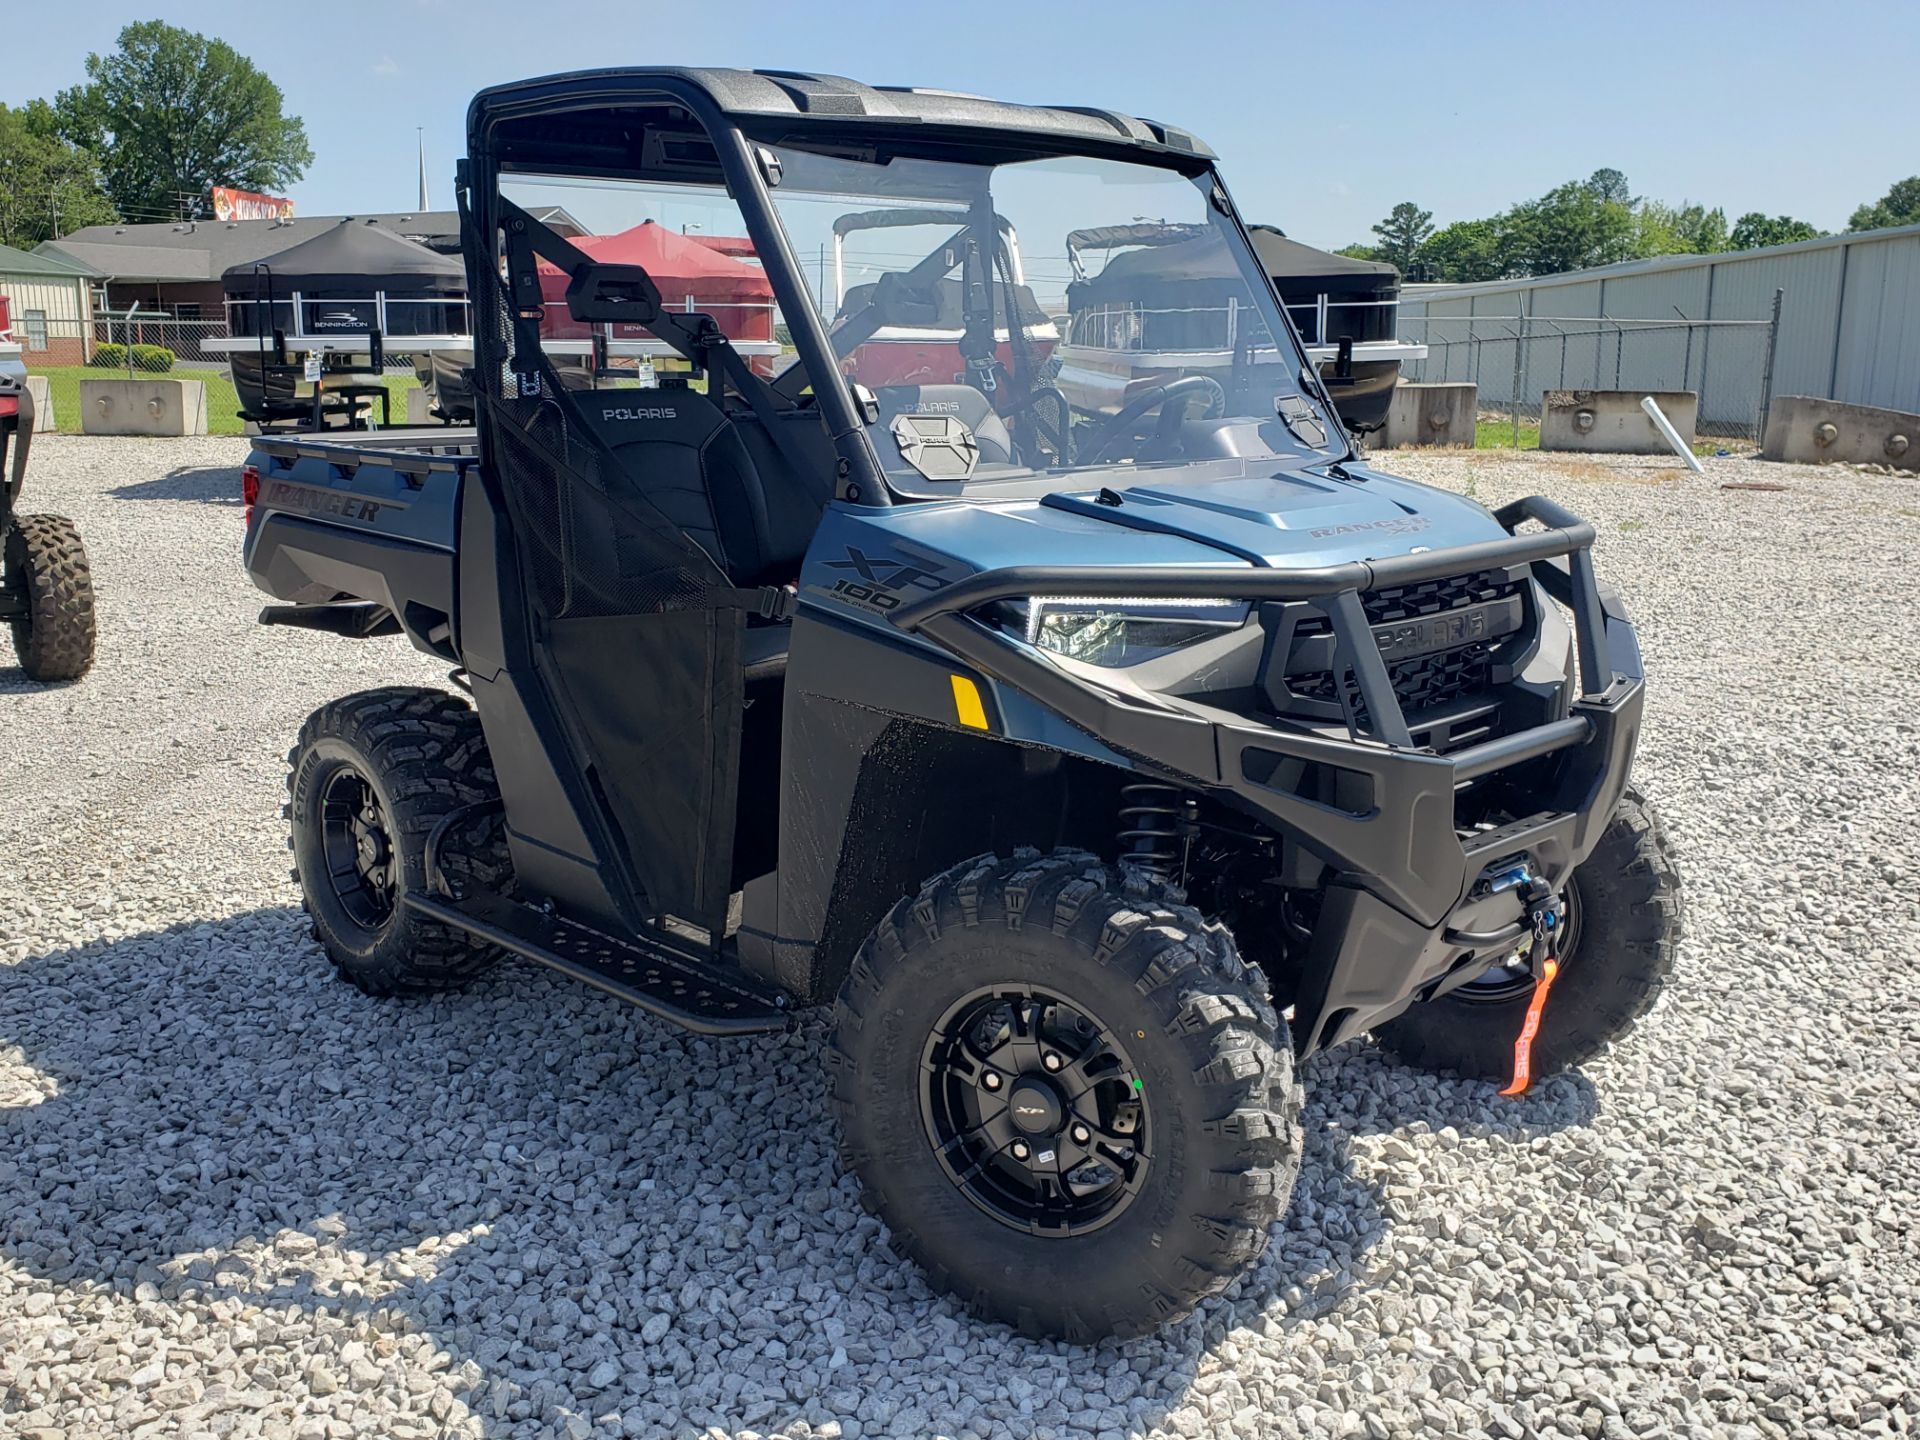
<point>698,996</point>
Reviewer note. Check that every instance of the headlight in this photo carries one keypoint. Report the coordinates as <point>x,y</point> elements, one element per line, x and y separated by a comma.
<point>1117,632</point>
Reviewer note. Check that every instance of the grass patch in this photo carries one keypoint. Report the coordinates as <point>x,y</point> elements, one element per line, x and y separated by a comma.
<point>1497,434</point>
<point>223,404</point>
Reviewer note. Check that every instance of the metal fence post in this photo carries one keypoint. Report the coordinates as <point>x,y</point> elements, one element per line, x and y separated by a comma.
<point>1513,404</point>
<point>1766,371</point>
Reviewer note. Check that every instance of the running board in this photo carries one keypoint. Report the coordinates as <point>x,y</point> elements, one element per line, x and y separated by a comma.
<point>698,996</point>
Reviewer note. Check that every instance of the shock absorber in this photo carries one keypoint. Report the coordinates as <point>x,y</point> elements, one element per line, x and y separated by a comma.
<point>1156,825</point>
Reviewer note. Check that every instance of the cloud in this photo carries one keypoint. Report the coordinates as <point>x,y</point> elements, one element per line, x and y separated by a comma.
<point>386,65</point>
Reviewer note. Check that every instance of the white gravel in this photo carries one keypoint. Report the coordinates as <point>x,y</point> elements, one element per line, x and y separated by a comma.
<point>237,1198</point>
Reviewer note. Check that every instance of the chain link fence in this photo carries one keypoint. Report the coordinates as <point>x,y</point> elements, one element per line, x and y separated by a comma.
<point>1515,360</point>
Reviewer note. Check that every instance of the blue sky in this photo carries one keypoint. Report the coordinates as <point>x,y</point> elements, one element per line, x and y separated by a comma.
<point>1324,115</point>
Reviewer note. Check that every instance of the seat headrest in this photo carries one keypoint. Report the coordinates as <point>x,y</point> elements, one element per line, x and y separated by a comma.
<point>962,402</point>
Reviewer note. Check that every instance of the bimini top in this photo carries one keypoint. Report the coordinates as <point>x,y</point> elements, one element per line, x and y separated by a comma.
<point>1286,259</point>
<point>760,95</point>
<point>354,255</point>
<point>1152,263</point>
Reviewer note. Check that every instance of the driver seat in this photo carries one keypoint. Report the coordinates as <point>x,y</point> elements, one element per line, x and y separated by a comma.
<point>963,402</point>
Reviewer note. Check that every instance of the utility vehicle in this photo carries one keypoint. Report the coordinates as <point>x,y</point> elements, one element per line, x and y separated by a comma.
<point>46,586</point>
<point>1094,770</point>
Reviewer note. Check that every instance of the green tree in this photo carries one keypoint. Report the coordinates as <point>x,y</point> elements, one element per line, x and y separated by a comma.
<point>1572,227</point>
<point>1754,230</point>
<point>1402,234</point>
<point>1685,229</point>
<point>1465,251</point>
<point>1358,252</point>
<point>47,186</point>
<point>1899,206</point>
<point>172,113</point>
<point>1611,185</point>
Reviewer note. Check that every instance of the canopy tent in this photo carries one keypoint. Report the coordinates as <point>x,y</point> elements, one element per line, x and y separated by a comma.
<point>354,278</point>
<point>689,274</point>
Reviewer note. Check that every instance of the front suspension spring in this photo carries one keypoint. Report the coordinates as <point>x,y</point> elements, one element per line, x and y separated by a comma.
<point>1156,821</point>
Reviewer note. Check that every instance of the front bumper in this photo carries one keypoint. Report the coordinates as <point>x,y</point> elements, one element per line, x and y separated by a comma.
<point>1400,918</point>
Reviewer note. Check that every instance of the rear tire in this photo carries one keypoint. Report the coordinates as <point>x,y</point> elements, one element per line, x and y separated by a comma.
<point>371,776</point>
<point>47,565</point>
<point>1625,923</point>
<point>1200,1087</point>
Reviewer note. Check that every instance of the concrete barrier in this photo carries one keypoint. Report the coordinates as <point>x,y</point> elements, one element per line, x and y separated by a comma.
<point>1810,431</point>
<point>1440,414</point>
<point>1612,422</point>
<point>41,389</point>
<point>143,407</point>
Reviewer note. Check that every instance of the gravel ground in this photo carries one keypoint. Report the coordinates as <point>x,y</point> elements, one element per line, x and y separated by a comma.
<point>238,1198</point>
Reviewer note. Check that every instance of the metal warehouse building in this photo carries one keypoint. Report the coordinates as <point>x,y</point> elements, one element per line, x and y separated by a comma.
<point>52,305</point>
<point>1849,327</point>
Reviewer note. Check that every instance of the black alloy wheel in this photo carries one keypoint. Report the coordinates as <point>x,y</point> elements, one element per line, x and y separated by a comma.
<point>356,838</point>
<point>1034,1110</point>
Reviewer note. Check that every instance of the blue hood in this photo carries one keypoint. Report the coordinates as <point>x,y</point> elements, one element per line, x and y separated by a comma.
<point>1296,519</point>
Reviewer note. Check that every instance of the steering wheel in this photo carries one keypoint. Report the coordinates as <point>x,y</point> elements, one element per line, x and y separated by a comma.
<point>1121,425</point>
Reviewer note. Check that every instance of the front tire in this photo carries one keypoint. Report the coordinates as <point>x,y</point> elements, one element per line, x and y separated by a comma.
<point>1144,1131</point>
<point>46,565</point>
<point>1624,928</point>
<point>371,776</point>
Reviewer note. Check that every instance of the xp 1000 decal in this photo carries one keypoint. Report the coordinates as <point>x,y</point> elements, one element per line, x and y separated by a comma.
<point>881,582</point>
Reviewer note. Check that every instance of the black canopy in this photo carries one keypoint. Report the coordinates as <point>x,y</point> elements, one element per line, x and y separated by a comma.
<point>356,256</point>
<point>1165,265</point>
<point>1284,259</point>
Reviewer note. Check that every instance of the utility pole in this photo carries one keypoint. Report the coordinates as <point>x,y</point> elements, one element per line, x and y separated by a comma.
<point>420,140</point>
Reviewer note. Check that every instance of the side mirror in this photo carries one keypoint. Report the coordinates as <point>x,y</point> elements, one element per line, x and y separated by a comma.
<point>615,294</point>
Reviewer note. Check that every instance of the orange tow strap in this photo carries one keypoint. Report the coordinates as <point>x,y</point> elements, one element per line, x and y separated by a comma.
<point>1523,1047</point>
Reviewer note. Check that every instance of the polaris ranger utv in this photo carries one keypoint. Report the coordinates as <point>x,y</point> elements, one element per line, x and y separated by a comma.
<point>46,587</point>
<point>1095,764</point>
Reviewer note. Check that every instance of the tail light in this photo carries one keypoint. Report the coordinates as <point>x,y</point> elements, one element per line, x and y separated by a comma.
<point>249,489</point>
<point>9,405</point>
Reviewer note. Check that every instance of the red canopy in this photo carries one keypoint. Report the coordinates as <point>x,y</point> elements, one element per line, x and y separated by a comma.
<point>737,296</point>
<point>679,264</point>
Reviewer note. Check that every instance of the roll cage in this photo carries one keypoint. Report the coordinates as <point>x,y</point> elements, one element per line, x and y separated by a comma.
<point>715,126</point>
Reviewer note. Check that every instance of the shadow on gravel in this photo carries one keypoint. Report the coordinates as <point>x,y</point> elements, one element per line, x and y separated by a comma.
<point>14,680</point>
<point>212,484</point>
<point>588,1211</point>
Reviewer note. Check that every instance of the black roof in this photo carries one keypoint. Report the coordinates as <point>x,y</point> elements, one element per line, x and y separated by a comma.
<point>1163,257</point>
<point>353,255</point>
<point>1282,257</point>
<point>744,95</point>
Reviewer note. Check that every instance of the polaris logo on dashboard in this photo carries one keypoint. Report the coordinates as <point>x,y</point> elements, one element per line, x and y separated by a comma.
<point>639,412</point>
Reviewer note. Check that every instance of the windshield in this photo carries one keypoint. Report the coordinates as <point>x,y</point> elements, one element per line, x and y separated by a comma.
<point>1064,314</point>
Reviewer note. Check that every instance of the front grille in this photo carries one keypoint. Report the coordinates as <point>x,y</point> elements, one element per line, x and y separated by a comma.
<point>1423,684</point>
<point>1436,597</point>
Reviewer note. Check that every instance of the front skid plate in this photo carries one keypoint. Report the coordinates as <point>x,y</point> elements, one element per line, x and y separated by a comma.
<point>705,998</point>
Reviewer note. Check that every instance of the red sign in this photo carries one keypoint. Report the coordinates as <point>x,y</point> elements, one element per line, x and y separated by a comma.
<point>245,205</point>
